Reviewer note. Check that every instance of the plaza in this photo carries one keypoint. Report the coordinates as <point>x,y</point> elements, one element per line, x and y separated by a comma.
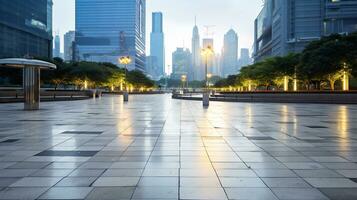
<point>155,147</point>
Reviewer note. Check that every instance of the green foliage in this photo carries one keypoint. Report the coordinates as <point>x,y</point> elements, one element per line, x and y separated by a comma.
<point>321,61</point>
<point>78,73</point>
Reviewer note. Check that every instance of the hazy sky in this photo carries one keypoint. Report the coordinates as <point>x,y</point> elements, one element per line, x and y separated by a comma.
<point>179,20</point>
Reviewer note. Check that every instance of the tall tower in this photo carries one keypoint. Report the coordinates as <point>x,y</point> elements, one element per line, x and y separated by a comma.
<point>230,53</point>
<point>57,47</point>
<point>103,26</point>
<point>157,46</point>
<point>197,70</point>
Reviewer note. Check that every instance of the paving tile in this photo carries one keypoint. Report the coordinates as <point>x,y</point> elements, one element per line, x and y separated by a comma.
<point>111,193</point>
<point>22,193</point>
<point>87,172</point>
<point>123,172</point>
<point>36,182</point>
<point>83,132</point>
<point>202,193</point>
<point>151,181</point>
<point>5,182</point>
<point>76,182</point>
<point>250,193</point>
<point>67,153</point>
<point>155,193</point>
<point>196,182</point>
<point>331,182</point>
<point>116,181</point>
<point>340,193</point>
<point>242,182</point>
<point>66,193</point>
<point>299,194</point>
<point>286,182</point>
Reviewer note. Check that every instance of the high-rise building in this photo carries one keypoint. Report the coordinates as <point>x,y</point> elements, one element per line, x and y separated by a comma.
<point>108,29</point>
<point>230,53</point>
<point>25,28</point>
<point>57,47</point>
<point>151,67</point>
<point>244,58</point>
<point>181,61</point>
<point>285,26</point>
<point>157,47</point>
<point>69,45</point>
<point>197,70</point>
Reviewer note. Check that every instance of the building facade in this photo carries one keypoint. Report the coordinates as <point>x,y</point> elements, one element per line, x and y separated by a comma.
<point>181,62</point>
<point>57,47</point>
<point>69,44</point>
<point>230,53</point>
<point>157,46</point>
<point>244,58</point>
<point>26,28</point>
<point>108,29</point>
<point>285,26</point>
<point>197,70</point>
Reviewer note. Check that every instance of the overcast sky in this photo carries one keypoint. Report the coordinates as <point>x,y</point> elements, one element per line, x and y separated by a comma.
<point>220,15</point>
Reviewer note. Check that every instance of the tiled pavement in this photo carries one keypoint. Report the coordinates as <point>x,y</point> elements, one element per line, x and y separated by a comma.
<point>157,148</point>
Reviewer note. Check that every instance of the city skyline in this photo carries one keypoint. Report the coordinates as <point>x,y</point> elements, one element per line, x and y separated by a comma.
<point>239,15</point>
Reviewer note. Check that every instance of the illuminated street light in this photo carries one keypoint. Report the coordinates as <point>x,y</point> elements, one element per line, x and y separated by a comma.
<point>286,83</point>
<point>206,52</point>
<point>346,80</point>
<point>125,60</point>
<point>183,79</point>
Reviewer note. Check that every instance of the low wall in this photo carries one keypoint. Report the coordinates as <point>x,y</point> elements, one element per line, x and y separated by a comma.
<point>17,95</point>
<point>280,97</point>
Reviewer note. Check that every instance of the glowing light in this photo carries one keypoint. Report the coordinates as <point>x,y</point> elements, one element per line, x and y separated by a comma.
<point>295,84</point>
<point>85,84</point>
<point>250,86</point>
<point>286,83</point>
<point>125,60</point>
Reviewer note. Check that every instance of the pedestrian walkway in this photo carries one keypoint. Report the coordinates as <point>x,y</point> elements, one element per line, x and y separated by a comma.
<point>154,147</point>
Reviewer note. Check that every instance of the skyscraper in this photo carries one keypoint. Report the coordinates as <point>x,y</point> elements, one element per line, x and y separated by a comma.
<point>68,45</point>
<point>25,28</point>
<point>57,47</point>
<point>197,70</point>
<point>108,29</point>
<point>181,61</point>
<point>157,47</point>
<point>285,26</point>
<point>230,53</point>
<point>244,58</point>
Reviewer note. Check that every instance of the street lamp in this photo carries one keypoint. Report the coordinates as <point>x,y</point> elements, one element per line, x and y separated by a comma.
<point>209,76</point>
<point>206,52</point>
<point>183,79</point>
<point>346,79</point>
<point>125,60</point>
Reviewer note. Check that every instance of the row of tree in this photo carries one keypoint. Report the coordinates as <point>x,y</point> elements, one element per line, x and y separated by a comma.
<point>85,74</point>
<point>321,65</point>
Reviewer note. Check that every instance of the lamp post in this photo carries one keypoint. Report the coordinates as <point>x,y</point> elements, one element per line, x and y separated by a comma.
<point>206,52</point>
<point>346,79</point>
<point>125,60</point>
<point>183,80</point>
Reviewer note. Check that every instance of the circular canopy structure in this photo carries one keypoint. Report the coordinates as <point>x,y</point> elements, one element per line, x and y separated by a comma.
<point>31,78</point>
<point>22,62</point>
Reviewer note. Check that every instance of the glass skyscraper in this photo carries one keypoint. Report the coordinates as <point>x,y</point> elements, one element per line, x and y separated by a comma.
<point>108,29</point>
<point>285,26</point>
<point>25,28</point>
<point>157,47</point>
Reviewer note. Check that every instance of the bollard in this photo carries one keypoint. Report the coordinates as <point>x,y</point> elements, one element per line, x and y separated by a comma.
<point>125,96</point>
<point>205,99</point>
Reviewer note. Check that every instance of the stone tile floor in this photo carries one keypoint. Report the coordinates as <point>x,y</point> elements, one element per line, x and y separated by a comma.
<point>157,148</point>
